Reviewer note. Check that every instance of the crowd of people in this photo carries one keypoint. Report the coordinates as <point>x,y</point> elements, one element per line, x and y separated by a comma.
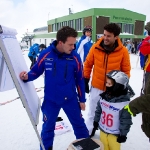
<point>70,66</point>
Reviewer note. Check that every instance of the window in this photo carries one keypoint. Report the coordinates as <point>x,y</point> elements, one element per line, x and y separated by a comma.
<point>120,25</point>
<point>53,28</point>
<point>128,28</point>
<point>58,26</point>
<point>65,23</point>
<point>78,24</point>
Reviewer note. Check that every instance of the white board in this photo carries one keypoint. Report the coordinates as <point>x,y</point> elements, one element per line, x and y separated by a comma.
<point>15,62</point>
<point>6,82</point>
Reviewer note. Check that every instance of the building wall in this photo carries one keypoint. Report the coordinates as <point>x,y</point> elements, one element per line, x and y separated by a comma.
<point>97,18</point>
<point>87,21</point>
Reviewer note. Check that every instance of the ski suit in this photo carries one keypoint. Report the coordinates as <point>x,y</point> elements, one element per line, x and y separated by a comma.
<point>63,74</point>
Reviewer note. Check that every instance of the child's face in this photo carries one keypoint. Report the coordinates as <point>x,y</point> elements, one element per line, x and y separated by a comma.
<point>109,82</point>
<point>88,33</point>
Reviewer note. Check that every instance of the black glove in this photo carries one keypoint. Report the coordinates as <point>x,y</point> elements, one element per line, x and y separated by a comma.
<point>95,127</point>
<point>86,81</point>
<point>121,139</point>
<point>95,124</point>
<point>59,119</point>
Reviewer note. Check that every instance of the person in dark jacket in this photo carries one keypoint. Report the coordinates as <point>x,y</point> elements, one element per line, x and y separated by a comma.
<point>141,105</point>
<point>113,123</point>
<point>63,75</point>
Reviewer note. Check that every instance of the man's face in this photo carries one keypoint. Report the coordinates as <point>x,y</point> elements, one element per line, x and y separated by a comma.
<point>109,38</point>
<point>68,46</point>
<point>88,33</point>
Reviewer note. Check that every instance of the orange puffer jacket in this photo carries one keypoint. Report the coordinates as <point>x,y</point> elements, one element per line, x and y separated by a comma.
<point>102,63</point>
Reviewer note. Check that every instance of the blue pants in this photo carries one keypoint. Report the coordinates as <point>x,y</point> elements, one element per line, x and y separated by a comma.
<point>50,112</point>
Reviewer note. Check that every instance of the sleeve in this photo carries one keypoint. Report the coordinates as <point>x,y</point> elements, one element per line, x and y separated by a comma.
<point>125,122</point>
<point>140,105</point>
<point>145,46</point>
<point>37,69</point>
<point>125,64</point>
<point>98,112</point>
<point>80,80</point>
<point>89,62</point>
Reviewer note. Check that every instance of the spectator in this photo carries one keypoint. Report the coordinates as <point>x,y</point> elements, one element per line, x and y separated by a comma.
<point>105,55</point>
<point>85,43</point>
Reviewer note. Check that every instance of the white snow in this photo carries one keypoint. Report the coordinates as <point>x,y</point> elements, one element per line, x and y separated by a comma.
<point>17,133</point>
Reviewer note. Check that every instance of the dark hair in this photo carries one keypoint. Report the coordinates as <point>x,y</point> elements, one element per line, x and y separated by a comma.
<point>42,46</point>
<point>66,32</point>
<point>113,28</point>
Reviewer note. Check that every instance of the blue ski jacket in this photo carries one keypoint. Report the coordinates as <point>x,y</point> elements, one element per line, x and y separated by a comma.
<point>83,47</point>
<point>63,74</point>
<point>34,50</point>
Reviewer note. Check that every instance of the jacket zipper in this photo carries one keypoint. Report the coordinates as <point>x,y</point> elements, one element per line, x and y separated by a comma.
<point>105,60</point>
<point>54,68</point>
<point>65,74</point>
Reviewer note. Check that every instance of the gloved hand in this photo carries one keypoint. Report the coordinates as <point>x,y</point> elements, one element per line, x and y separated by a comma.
<point>86,81</point>
<point>95,127</point>
<point>95,124</point>
<point>121,139</point>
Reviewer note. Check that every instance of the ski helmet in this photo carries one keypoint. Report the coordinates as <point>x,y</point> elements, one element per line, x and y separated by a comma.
<point>119,77</point>
<point>87,28</point>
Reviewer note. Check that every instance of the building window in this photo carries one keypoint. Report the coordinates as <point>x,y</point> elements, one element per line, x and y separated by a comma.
<point>53,28</point>
<point>120,25</point>
<point>65,23</point>
<point>62,24</point>
<point>57,27</point>
<point>79,24</point>
<point>71,23</point>
<point>128,28</point>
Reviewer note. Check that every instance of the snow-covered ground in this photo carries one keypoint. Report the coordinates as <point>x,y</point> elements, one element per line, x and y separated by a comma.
<point>17,133</point>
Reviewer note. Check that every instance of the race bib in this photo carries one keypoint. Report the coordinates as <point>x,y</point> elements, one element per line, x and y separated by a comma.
<point>109,120</point>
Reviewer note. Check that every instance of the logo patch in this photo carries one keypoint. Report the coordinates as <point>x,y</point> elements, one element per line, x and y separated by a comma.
<point>49,59</point>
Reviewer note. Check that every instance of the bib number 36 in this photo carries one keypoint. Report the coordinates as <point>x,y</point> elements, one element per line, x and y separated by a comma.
<point>107,119</point>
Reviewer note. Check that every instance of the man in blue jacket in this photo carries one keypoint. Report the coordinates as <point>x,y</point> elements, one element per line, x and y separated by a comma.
<point>63,74</point>
<point>85,43</point>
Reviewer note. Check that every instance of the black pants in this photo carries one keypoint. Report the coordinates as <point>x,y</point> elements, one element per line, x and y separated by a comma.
<point>33,60</point>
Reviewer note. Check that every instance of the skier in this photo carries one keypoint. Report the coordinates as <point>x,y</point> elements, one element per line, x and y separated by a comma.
<point>85,43</point>
<point>113,123</point>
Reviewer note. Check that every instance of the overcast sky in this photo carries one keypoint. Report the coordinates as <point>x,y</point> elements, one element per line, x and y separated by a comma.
<point>31,14</point>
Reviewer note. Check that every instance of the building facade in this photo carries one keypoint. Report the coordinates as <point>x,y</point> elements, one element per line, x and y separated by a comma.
<point>131,23</point>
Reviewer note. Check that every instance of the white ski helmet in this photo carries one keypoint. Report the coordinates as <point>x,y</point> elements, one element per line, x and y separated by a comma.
<point>119,77</point>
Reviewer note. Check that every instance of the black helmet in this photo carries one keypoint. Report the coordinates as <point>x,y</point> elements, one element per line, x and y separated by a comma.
<point>87,28</point>
<point>119,77</point>
<point>42,46</point>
